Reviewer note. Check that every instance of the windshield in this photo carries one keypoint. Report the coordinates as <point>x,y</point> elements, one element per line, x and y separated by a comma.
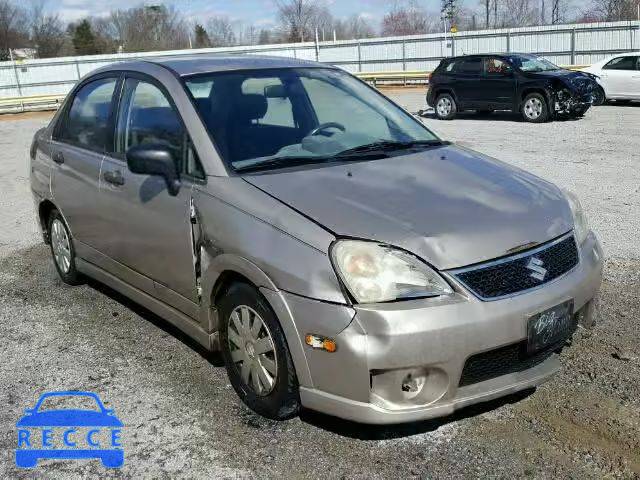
<point>532,64</point>
<point>283,117</point>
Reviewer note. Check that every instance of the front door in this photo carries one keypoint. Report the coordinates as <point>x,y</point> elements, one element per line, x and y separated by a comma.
<point>147,232</point>
<point>498,86</point>
<point>621,78</point>
<point>77,147</point>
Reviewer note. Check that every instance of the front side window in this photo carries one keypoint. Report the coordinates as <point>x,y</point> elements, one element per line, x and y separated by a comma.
<point>297,115</point>
<point>621,63</point>
<point>86,123</point>
<point>496,66</point>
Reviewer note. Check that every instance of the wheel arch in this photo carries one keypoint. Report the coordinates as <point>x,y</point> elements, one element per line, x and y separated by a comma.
<point>45,207</point>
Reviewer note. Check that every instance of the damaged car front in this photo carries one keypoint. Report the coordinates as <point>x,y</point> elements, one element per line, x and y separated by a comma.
<point>569,93</point>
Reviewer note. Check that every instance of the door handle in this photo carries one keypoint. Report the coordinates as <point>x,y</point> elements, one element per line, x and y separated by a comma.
<point>58,157</point>
<point>114,178</point>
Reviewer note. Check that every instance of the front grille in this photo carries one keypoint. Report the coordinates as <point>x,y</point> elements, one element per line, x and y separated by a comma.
<point>521,272</point>
<point>502,361</point>
<point>510,359</point>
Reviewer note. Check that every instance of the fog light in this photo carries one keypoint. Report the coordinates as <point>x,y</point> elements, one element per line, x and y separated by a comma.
<point>412,385</point>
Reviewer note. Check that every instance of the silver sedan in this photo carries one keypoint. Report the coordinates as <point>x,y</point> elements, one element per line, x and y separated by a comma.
<point>340,255</point>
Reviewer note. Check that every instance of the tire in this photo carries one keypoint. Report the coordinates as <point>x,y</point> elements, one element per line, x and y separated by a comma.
<point>600,97</point>
<point>534,108</point>
<point>279,400</point>
<point>62,250</point>
<point>445,107</point>
<point>580,112</point>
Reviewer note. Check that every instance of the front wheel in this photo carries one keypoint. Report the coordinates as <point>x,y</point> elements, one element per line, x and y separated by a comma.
<point>600,97</point>
<point>535,109</point>
<point>256,354</point>
<point>445,107</point>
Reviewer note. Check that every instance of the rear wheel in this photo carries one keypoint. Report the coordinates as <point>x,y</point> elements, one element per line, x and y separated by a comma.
<point>535,109</point>
<point>600,97</point>
<point>256,354</point>
<point>445,107</point>
<point>62,250</point>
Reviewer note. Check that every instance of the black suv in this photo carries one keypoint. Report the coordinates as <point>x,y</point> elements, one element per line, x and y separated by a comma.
<point>512,81</point>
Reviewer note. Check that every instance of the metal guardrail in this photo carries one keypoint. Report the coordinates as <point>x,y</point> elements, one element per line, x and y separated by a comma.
<point>401,78</point>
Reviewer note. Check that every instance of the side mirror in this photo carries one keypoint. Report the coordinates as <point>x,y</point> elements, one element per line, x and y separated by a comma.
<point>155,160</point>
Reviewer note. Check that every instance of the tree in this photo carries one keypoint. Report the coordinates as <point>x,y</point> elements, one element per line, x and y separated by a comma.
<point>264,37</point>
<point>48,37</point>
<point>519,13</point>
<point>201,36</point>
<point>357,26</point>
<point>405,19</point>
<point>614,10</point>
<point>297,18</point>
<point>84,39</point>
<point>13,31</point>
<point>221,31</point>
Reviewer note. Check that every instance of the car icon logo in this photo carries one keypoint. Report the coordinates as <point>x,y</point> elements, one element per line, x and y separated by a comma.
<point>85,432</point>
<point>537,270</point>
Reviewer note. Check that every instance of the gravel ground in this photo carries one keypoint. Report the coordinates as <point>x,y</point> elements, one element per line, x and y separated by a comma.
<point>182,418</point>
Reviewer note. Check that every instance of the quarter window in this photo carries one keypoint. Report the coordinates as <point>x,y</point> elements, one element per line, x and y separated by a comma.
<point>86,123</point>
<point>621,63</point>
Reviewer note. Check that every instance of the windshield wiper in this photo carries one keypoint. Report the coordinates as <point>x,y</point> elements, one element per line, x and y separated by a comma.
<point>284,161</point>
<point>387,146</point>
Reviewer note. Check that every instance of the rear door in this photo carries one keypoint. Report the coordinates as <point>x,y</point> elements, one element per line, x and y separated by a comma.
<point>468,82</point>
<point>621,78</point>
<point>498,86</point>
<point>79,141</point>
<point>145,232</point>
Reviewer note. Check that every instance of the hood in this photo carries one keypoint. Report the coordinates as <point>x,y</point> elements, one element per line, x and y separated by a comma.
<point>450,206</point>
<point>563,74</point>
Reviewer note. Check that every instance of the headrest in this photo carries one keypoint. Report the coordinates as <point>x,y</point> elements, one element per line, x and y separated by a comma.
<point>251,106</point>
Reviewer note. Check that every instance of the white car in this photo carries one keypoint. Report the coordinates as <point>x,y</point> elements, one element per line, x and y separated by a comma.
<point>619,76</point>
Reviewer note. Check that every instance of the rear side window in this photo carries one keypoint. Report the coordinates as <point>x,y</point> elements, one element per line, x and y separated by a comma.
<point>469,66</point>
<point>622,63</point>
<point>86,123</point>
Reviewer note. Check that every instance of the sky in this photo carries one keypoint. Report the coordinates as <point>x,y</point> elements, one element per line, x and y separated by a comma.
<point>258,12</point>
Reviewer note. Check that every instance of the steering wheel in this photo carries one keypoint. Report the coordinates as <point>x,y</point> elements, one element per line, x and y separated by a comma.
<point>325,126</point>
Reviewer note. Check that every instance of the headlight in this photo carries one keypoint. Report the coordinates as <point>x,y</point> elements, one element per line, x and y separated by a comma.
<point>378,273</point>
<point>581,226</point>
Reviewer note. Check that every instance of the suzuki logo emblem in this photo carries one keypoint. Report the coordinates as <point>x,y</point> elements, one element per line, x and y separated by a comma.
<point>537,270</point>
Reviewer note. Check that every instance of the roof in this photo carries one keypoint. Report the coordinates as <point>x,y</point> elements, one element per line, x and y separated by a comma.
<point>209,63</point>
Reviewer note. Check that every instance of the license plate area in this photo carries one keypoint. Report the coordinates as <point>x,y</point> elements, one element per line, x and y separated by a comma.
<point>550,328</point>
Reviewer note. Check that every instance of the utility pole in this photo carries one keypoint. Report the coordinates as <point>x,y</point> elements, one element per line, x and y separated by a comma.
<point>495,13</point>
<point>542,14</point>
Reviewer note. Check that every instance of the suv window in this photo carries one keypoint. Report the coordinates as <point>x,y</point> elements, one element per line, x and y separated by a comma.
<point>496,66</point>
<point>469,66</point>
<point>621,63</point>
<point>147,117</point>
<point>86,123</point>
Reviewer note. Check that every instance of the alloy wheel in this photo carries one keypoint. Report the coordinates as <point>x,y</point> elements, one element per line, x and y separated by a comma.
<point>61,246</point>
<point>252,349</point>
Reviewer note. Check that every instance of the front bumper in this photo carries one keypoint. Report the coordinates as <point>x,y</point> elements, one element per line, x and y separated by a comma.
<point>431,340</point>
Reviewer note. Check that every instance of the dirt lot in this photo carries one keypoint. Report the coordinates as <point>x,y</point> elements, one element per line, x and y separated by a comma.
<point>182,418</point>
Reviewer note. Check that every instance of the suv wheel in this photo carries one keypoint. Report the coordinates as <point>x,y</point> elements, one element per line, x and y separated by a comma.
<point>535,108</point>
<point>600,97</point>
<point>445,107</point>
<point>256,354</point>
<point>62,251</point>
